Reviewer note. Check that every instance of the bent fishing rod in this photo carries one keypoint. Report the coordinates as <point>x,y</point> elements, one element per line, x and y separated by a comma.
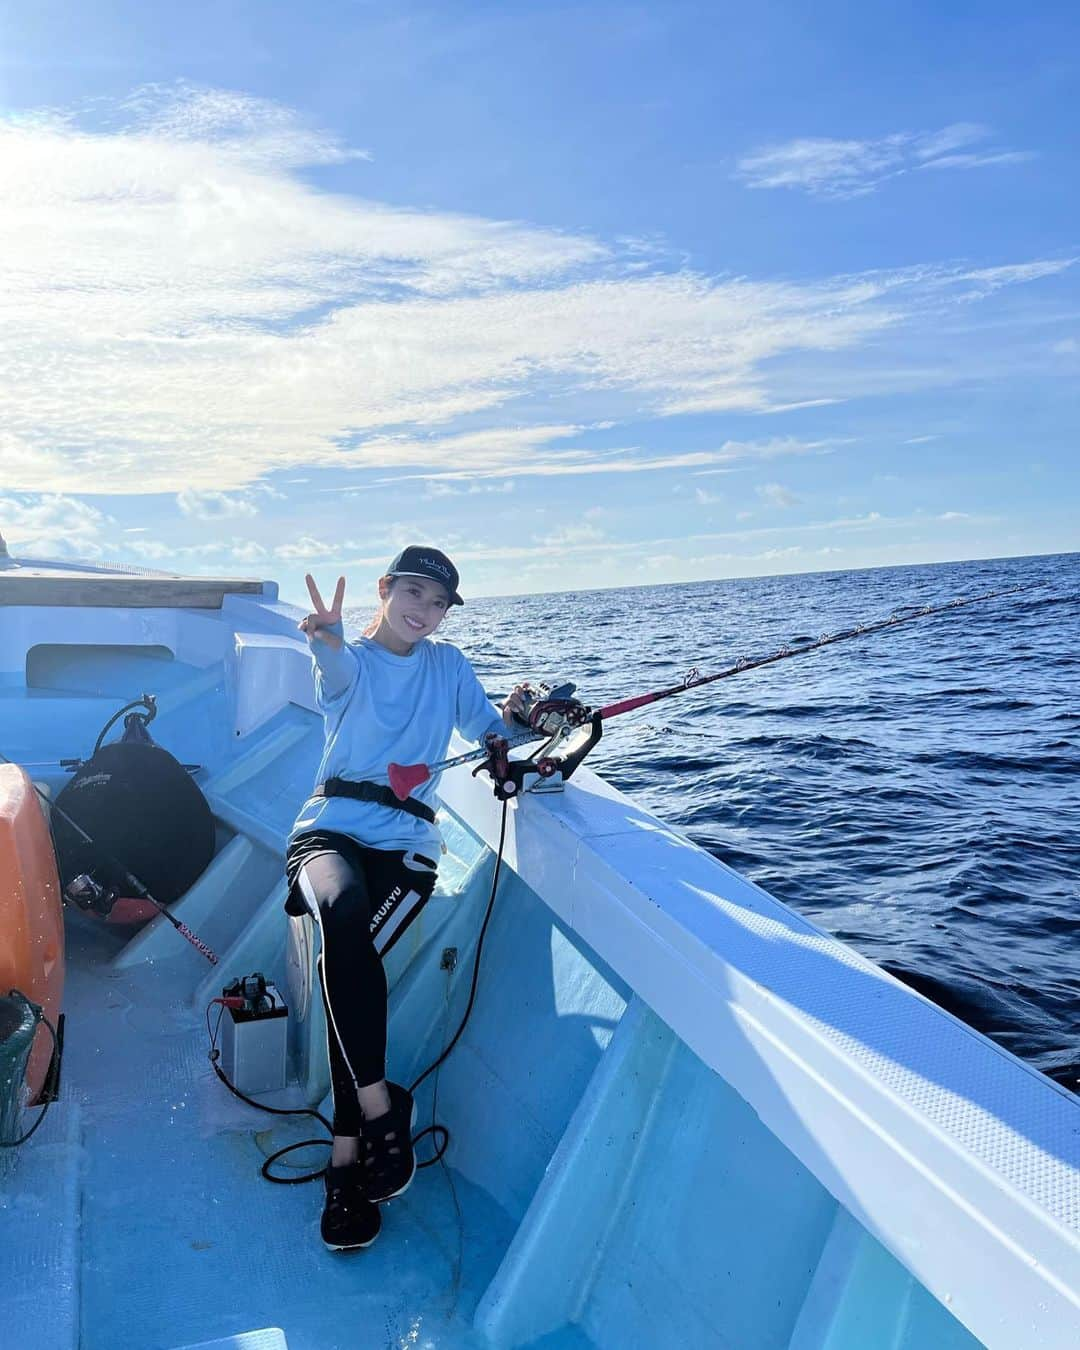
<point>125,875</point>
<point>405,777</point>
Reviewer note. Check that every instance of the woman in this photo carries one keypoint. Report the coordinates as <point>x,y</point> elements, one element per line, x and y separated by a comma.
<point>363,863</point>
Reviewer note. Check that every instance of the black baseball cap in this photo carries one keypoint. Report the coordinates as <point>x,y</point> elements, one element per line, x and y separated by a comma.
<point>419,561</point>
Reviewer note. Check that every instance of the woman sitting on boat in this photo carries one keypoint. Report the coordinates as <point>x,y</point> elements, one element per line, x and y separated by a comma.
<point>363,863</point>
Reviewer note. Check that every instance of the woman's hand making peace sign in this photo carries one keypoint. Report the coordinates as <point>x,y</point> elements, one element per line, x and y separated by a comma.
<point>320,619</point>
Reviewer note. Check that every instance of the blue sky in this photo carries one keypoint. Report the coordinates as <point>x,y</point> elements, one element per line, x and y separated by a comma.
<point>595,295</point>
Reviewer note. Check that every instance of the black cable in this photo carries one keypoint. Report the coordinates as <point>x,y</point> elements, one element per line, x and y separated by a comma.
<point>39,1016</point>
<point>214,1056</point>
<point>435,1129</point>
<point>147,701</point>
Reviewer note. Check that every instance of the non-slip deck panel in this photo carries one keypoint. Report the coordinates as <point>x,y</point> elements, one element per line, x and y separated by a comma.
<point>1013,1119</point>
<point>183,1242</point>
<point>40,1234</point>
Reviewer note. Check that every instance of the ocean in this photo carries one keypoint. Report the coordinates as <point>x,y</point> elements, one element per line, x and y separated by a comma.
<point>915,792</point>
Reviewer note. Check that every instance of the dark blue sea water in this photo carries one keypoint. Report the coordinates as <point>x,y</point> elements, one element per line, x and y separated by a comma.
<point>915,792</point>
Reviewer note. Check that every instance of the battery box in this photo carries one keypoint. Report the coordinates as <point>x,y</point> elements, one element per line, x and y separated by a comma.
<point>254,1044</point>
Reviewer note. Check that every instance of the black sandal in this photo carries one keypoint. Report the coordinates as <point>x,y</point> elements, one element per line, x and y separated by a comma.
<point>387,1157</point>
<point>349,1221</point>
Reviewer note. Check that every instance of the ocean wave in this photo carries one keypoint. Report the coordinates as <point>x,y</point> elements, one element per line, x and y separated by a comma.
<point>918,793</point>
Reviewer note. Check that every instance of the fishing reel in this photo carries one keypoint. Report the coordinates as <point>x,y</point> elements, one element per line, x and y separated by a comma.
<point>551,711</point>
<point>87,893</point>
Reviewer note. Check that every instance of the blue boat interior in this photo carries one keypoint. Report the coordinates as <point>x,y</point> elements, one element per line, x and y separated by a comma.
<point>602,1187</point>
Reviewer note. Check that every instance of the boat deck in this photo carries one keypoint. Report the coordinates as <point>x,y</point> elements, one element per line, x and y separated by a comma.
<point>681,1115</point>
<point>162,1232</point>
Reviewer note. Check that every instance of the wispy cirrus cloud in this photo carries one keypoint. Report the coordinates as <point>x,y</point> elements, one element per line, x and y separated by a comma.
<point>531,453</point>
<point>254,131</point>
<point>182,311</point>
<point>777,495</point>
<point>826,167</point>
<point>436,488</point>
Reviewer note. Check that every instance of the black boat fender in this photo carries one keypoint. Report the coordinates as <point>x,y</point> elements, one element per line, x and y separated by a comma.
<point>136,802</point>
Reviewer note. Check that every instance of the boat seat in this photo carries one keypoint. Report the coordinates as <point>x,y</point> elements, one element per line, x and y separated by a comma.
<point>267,671</point>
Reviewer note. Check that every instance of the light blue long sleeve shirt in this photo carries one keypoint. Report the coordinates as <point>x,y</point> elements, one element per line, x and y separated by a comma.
<point>378,708</point>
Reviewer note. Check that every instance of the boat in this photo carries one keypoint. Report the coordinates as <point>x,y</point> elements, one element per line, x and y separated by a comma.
<point>679,1115</point>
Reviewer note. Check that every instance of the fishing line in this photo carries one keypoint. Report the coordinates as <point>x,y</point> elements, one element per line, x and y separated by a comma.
<point>404,778</point>
<point>693,680</point>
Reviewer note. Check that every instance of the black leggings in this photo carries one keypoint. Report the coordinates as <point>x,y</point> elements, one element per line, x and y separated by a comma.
<point>363,900</point>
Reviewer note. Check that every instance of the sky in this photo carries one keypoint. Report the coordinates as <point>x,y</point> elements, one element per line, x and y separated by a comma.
<point>590,295</point>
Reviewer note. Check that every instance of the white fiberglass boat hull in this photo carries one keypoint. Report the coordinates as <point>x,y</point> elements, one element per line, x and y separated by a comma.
<point>680,1114</point>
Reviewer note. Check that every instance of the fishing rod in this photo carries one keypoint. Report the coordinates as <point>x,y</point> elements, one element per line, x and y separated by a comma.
<point>405,777</point>
<point>127,877</point>
<point>694,681</point>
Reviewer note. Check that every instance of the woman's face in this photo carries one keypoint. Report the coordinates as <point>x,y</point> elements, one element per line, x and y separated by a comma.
<point>413,607</point>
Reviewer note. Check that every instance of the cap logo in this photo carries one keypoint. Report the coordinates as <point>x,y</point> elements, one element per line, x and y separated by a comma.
<point>436,567</point>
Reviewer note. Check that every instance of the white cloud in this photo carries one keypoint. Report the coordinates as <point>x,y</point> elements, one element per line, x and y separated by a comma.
<point>307,549</point>
<point>822,166</point>
<point>573,536</point>
<point>441,488</point>
<point>213,505</point>
<point>586,545</point>
<point>777,495</point>
<point>252,130</point>
<point>993,278</point>
<point>931,145</point>
<point>773,554</point>
<point>525,453</point>
<point>777,446</point>
<point>249,551</point>
<point>181,311</point>
<point>210,554</point>
<point>826,167</point>
<point>53,525</point>
<point>577,542</point>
